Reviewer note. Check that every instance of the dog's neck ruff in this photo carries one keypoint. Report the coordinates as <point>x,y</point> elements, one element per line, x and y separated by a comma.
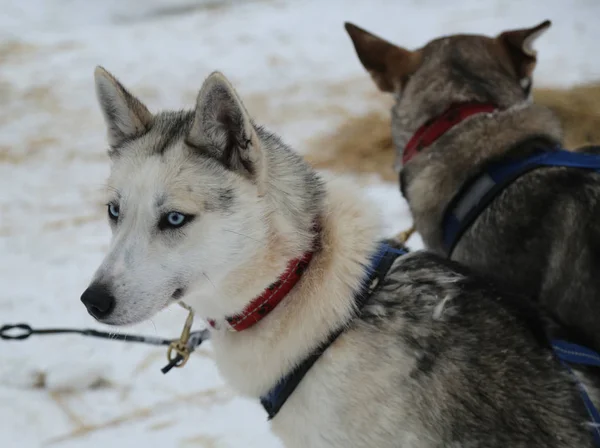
<point>262,305</point>
<point>437,126</point>
<point>381,262</point>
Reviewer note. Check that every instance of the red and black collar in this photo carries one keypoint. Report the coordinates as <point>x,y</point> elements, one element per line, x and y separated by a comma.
<point>437,126</point>
<point>270,297</point>
<point>262,305</point>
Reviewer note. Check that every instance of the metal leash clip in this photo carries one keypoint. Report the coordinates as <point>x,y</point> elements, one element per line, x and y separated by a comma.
<point>179,350</point>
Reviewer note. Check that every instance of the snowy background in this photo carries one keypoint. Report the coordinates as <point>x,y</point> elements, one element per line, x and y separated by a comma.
<point>296,69</point>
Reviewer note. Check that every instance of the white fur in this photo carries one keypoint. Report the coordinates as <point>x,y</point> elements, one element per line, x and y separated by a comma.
<point>157,264</point>
<point>253,360</point>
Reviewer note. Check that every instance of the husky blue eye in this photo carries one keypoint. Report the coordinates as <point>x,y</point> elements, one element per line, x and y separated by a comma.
<point>174,220</point>
<point>113,211</point>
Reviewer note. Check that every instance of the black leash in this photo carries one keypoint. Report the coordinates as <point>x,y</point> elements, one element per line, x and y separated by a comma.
<point>20,332</point>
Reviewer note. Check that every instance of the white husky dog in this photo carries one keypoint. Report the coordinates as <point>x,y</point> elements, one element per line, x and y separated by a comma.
<point>345,348</point>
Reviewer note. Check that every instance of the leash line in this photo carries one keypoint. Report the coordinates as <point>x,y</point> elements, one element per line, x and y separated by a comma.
<point>182,346</point>
<point>20,332</point>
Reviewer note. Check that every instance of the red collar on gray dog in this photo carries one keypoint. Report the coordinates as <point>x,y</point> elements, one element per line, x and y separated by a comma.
<point>270,297</point>
<point>437,126</point>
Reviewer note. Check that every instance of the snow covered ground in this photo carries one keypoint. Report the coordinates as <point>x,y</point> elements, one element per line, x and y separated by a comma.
<point>298,73</point>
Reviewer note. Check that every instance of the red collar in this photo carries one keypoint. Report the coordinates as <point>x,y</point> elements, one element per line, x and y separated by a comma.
<point>270,298</point>
<point>437,126</point>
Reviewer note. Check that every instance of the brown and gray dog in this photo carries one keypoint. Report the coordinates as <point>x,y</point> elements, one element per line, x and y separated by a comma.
<point>209,208</point>
<point>541,235</point>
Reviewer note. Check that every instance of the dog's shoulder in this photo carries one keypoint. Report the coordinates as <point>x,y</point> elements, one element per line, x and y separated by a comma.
<point>426,288</point>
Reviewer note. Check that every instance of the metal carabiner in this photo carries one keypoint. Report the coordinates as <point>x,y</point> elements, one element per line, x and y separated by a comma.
<point>180,347</point>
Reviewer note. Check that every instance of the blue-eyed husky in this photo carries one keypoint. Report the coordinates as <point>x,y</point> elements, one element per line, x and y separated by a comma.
<point>347,342</point>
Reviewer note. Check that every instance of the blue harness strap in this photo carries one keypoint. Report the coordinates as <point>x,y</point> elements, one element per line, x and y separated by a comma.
<point>575,354</point>
<point>468,204</point>
<point>568,354</point>
<point>381,262</point>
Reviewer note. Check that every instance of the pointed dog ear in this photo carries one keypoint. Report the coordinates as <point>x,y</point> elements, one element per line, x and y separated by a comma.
<point>519,46</point>
<point>390,66</point>
<point>125,116</point>
<point>222,128</point>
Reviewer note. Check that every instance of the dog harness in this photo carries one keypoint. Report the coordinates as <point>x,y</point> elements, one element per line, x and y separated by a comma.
<point>479,192</point>
<point>381,263</point>
<point>569,353</point>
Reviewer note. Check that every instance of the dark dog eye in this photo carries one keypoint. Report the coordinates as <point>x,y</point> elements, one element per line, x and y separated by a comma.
<point>174,220</point>
<point>113,211</point>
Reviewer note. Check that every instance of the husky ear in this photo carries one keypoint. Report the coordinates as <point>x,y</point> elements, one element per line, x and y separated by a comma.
<point>125,116</point>
<point>390,66</point>
<point>223,129</point>
<point>519,46</point>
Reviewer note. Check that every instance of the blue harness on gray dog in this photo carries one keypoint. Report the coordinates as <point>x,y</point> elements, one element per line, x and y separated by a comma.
<point>477,194</point>
<point>576,354</point>
<point>468,204</point>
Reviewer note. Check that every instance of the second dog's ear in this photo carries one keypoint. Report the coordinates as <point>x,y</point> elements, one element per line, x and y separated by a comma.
<point>390,66</point>
<point>519,46</point>
<point>223,129</point>
<point>125,116</point>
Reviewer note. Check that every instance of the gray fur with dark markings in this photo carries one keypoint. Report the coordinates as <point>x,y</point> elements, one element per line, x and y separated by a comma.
<point>482,372</point>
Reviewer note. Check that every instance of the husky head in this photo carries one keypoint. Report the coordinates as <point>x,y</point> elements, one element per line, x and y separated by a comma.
<point>203,205</point>
<point>453,69</point>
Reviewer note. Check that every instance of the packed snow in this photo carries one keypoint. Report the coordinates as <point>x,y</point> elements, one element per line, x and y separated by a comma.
<point>295,67</point>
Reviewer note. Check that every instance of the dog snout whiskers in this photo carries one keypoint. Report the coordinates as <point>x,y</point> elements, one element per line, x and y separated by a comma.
<point>241,234</point>
<point>209,280</point>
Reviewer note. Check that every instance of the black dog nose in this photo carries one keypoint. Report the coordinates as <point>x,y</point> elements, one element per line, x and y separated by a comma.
<point>98,300</point>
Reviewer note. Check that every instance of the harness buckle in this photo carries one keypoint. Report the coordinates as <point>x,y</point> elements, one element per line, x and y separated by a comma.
<point>180,348</point>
